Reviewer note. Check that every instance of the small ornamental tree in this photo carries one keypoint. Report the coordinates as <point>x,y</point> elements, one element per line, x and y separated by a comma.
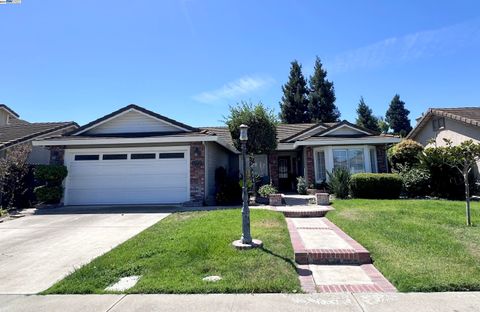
<point>463,157</point>
<point>262,129</point>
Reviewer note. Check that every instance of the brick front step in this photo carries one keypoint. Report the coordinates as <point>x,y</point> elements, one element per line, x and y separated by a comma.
<point>332,256</point>
<point>349,252</point>
<point>305,211</point>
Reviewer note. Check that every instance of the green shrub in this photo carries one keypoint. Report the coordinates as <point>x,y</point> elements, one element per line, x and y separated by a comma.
<point>376,185</point>
<point>338,182</point>
<point>266,190</point>
<point>405,154</point>
<point>49,194</point>
<point>52,174</point>
<point>416,182</point>
<point>446,182</point>
<point>301,186</point>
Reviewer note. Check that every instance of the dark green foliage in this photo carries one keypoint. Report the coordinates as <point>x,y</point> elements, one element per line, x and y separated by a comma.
<point>294,103</point>
<point>365,117</point>
<point>228,190</point>
<point>321,96</point>
<point>382,125</point>
<point>416,182</point>
<point>397,117</point>
<point>405,154</point>
<point>15,177</point>
<point>49,194</point>
<point>301,186</point>
<point>376,185</point>
<point>446,181</point>
<point>267,190</point>
<point>339,181</point>
<point>52,174</point>
<point>262,129</point>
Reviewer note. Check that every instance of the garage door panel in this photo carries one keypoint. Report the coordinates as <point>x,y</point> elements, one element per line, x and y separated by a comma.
<point>128,181</point>
<point>113,181</point>
<point>127,196</point>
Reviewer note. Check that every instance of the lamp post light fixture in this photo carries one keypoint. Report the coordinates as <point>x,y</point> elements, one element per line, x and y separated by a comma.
<point>246,242</point>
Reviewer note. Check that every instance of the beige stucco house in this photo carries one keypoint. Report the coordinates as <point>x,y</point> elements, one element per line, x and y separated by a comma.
<point>455,124</point>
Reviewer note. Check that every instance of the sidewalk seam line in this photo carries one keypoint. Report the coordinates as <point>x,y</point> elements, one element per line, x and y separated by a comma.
<point>115,303</point>
<point>358,302</point>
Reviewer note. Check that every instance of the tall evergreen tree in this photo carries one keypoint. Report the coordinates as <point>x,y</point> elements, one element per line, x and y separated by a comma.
<point>294,103</point>
<point>397,117</point>
<point>321,96</point>
<point>365,118</point>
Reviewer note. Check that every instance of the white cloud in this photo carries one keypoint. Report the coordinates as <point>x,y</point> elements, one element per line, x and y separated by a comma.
<point>406,48</point>
<point>234,89</point>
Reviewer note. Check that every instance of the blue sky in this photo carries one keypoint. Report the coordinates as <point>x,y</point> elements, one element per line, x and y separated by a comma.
<point>190,60</point>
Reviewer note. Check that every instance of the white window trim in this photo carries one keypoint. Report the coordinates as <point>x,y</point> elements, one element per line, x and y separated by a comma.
<point>329,157</point>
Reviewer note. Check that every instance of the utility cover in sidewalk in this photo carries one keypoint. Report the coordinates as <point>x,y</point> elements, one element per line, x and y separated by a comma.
<point>124,283</point>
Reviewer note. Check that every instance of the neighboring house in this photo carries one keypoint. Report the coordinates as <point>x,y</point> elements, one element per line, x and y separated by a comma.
<point>136,156</point>
<point>455,124</point>
<point>14,131</point>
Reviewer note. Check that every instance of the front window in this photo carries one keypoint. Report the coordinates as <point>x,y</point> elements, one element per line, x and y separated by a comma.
<point>351,159</point>
<point>260,166</point>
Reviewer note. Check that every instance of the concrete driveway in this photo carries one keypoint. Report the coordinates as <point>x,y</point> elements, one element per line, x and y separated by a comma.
<point>38,250</point>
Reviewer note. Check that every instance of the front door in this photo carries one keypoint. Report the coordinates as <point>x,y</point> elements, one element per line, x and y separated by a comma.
<point>284,182</point>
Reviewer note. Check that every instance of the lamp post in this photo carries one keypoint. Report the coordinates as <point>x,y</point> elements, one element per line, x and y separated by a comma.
<point>246,242</point>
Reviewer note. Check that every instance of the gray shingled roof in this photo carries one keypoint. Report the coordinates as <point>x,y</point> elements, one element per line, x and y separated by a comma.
<point>20,130</point>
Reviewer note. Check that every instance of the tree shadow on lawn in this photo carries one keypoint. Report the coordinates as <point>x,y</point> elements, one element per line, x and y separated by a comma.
<point>300,271</point>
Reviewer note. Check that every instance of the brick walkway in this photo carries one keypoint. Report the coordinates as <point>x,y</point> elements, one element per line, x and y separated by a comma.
<point>329,260</point>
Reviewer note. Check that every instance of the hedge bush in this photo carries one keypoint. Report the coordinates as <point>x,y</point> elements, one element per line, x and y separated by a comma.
<point>416,182</point>
<point>49,194</point>
<point>405,154</point>
<point>376,185</point>
<point>52,174</point>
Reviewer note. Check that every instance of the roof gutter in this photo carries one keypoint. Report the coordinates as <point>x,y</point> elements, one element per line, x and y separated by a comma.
<point>355,141</point>
<point>113,141</point>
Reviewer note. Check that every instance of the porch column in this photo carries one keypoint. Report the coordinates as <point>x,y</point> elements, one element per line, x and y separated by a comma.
<point>197,174</point>
<point>273,168</point>
<point>310,174</point>
<point>382,164</point>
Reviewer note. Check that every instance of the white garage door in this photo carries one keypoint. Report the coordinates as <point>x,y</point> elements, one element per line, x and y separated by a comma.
<point>127,176</point>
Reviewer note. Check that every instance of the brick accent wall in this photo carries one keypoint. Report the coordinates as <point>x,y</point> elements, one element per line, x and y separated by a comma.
<point>382,159</point>
<point>310,174</point>
<point>273,168</point>
<point>57,155</point>
<point>197,174</point>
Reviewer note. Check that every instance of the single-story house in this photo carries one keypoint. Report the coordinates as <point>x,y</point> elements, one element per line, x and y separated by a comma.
<point>136,156</point>
<point>15,131</point>
<point>455,124</point>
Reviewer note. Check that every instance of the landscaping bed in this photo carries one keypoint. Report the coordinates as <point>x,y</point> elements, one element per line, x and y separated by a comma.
<point>419,245</point>
<point>174,255</point>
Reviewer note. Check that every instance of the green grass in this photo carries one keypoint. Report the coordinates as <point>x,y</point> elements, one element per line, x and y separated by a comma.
<point>419,245</point>
<point>175,254</point>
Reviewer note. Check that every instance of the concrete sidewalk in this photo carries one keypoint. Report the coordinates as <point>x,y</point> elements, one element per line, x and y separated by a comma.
<point>332,302</point>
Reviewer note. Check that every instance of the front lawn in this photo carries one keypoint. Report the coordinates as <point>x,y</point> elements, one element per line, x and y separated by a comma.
<point>419,245</point>
<point>175,254</point>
